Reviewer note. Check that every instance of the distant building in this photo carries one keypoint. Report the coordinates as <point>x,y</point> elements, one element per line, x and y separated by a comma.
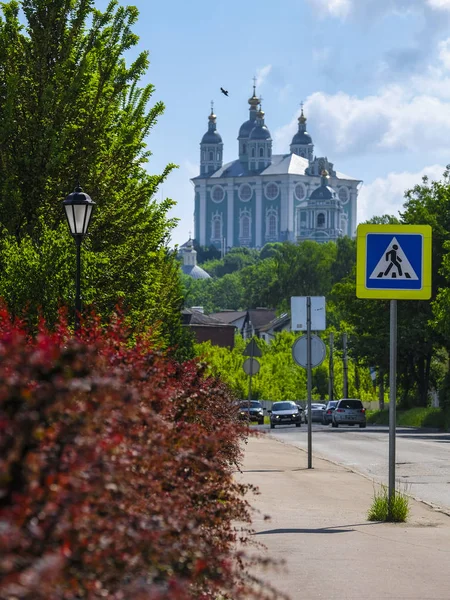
<point>261,197</point>
<point>208,329</point>
<point>189,266</point>
<point>247,322</point>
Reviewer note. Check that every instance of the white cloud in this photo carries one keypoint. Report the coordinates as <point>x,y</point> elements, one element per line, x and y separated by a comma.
<point>261,74</point>
<point>335,8</point>
<point>285,92</point>
<point>343,8</point>
<point>444,53</point>
<point>386,196</point>
<point>439,4</point>
<point>395,119</point>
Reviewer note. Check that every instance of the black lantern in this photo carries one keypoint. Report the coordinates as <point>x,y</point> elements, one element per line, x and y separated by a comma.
<point>78,207</point>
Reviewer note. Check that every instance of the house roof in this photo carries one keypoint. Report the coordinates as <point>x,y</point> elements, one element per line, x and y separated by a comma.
<point>278,323</point>
<point>195,317</point>
<point>261,316</point>
<point>229,316</point>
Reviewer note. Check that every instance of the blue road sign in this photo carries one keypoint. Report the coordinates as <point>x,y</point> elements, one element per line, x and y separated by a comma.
<point>394,261</point>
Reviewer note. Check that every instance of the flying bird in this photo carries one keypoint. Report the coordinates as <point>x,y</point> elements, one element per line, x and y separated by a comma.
<point>225,92</point>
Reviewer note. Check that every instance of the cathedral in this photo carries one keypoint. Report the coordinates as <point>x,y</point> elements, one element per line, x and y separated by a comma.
<point>262,197</point>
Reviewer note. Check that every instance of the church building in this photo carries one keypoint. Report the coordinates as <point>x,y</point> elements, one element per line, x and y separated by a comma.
<point>262,197</point>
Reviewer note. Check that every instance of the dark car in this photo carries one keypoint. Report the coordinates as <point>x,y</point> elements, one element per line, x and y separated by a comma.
<point>256,411</point>
<point>349,412</point>
<point>285,413</point>
<point>328,412</point>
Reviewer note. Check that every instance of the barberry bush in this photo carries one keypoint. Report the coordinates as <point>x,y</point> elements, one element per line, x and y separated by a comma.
<point>117,472</point>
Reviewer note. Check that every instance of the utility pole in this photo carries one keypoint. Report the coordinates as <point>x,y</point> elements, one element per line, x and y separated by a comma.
<point>331,369</point>
<point>345,364</point>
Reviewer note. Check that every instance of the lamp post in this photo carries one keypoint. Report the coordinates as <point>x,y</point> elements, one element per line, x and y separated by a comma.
<point>78,207</point>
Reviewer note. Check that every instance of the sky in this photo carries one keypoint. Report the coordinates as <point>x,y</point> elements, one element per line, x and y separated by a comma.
<point>374,77</point>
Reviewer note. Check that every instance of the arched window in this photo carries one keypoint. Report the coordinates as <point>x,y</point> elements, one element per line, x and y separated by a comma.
<point>343,195</point>
<point>218,155</point>
<point>261,152</point>
<point>216,226</point>
<point>272,226</point>
<point>245,225</point>
<point>271,223</point>
<point>203,155</point>
<point>320,220</point>
<point>253,153</point>
<point>244,148</point>
<point>211,155</point>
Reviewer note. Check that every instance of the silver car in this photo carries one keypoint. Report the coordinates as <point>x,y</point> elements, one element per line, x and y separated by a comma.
<point>349,412</point>
<point>317,409</point>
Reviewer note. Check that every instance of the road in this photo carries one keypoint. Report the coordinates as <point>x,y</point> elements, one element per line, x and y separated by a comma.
<point>422,458</point>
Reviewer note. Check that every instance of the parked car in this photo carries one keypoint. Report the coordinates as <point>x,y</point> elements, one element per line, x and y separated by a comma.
<point>317,409</point>
<point>302,412</point>
<point>349,412</point>
<point>256,411</point>
<point>285,413</point>
<point>328,412</point>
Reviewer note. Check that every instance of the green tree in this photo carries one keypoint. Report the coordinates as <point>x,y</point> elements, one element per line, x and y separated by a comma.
<point>302,270</point>
<point>71,108</point>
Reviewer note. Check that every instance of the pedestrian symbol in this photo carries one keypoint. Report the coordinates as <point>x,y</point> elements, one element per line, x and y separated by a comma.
<point>394,264</point>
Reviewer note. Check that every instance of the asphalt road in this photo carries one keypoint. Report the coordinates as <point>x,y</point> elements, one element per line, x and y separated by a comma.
<point>422,457</point>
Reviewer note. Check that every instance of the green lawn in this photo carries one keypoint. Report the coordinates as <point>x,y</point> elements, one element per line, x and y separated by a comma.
<point>415,417</point>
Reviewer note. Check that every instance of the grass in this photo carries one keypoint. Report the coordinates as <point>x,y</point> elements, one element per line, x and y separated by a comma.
<point>415,417</point>
<point>379,511</point>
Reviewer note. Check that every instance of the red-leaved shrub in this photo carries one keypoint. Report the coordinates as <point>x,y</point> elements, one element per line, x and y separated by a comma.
<point>116,472</point>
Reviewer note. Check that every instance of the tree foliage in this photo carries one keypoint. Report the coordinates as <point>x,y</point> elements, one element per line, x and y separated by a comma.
<point>72,109</point>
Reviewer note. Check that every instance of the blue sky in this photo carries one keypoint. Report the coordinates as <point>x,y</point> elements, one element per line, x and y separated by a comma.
<point>374,76</point>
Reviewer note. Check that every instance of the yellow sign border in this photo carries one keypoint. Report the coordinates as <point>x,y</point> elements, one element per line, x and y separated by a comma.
<point>361,261</point>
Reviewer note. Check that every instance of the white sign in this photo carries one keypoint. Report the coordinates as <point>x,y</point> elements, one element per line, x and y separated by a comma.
<point>298,313</point>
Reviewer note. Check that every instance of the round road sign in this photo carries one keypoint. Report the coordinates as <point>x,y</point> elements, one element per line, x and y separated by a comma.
<point>318,351</point>
<point>251,366</point>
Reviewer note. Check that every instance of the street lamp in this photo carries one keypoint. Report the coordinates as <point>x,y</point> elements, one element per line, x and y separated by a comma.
<point>78,207</point>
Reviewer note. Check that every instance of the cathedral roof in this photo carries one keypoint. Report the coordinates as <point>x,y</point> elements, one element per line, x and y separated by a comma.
<point>282,164</point>
<point>212,137</point>
<point>302,138</point>
<point>195,272</point>
<point>246,127</point>
<point>259,132</point>
<point>324,192</point>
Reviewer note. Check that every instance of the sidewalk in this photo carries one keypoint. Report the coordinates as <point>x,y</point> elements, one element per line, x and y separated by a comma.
<point>318,526</point>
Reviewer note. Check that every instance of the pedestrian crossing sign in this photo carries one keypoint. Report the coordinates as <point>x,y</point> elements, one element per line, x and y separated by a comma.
<point>393,262</point>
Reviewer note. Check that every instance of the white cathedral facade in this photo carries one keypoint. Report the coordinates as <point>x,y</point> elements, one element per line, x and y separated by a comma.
<point>262,197</point>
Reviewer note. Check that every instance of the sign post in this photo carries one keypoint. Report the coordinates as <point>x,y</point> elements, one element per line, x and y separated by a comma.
<point>251,367</point>
<point>393,263</point>
<point>306,313</point>
<point>309,377</point>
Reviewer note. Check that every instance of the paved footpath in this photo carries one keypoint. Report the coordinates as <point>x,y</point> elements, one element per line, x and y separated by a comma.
<point>318,526</point>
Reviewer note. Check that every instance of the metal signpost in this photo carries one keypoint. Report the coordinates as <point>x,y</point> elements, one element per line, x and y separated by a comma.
<point>393,263</point>
<point>251,366</point>
<point>308,351</point>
